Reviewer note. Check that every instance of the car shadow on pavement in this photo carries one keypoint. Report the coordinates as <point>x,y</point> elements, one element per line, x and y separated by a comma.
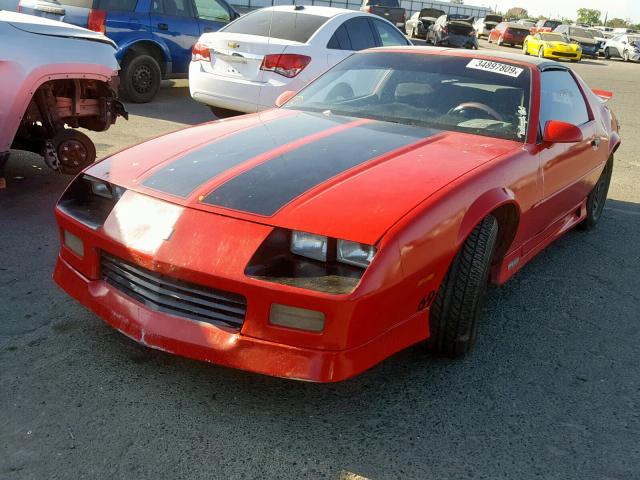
<point>170,105</point>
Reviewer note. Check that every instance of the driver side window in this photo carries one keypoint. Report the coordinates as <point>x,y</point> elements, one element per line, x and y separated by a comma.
<point>561,99</point>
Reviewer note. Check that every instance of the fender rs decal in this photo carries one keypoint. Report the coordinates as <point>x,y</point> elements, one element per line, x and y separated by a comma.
<point>196,168</point>
<point>267,187</point>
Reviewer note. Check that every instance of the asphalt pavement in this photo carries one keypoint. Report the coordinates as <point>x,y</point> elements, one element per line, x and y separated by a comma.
<point>551,391</point>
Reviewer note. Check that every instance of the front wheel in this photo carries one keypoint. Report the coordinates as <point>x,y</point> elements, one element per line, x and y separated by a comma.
<point>607,54</point>
<point>541,52</point>
<point>74,149</point>
<point>597,198</point>
<point>625,56</point>
<point>453,317</point>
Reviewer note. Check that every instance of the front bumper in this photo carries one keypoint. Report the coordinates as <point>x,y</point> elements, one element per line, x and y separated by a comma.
<point>227,346</point>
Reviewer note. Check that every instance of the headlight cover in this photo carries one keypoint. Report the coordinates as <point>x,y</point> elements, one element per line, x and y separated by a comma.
<point>90,200</point>
<point>354,253</point>
<point>309,245</point>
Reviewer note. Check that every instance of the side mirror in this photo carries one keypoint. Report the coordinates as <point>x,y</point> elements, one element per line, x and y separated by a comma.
<point>556,131</point>
<point>285,97</point>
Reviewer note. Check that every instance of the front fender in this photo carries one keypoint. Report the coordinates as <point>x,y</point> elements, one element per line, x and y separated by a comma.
<point>481,207</point>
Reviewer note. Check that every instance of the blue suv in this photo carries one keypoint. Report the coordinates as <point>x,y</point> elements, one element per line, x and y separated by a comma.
<point>154,37</point>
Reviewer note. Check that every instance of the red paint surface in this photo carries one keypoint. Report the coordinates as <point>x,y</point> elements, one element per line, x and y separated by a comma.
<point>417,204</point>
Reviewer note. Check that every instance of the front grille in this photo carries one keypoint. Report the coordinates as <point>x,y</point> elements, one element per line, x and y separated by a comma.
<point>170,295</point>
<point>564,54</point>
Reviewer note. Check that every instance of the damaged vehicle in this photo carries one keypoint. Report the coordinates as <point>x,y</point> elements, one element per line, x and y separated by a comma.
<point>55,78</point>
<point>453,30</point>
<point>484,25</point>
<point>420,22</point>
<point>314,240</point>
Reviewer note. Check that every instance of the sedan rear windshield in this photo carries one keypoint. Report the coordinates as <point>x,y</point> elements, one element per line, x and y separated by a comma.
<point>292,26</point>
<point>473,95</point>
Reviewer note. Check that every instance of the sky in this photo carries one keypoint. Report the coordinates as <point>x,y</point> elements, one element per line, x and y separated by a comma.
<point>626,9</point>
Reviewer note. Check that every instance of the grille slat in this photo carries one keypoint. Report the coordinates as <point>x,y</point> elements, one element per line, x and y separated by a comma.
<point>170,295</point>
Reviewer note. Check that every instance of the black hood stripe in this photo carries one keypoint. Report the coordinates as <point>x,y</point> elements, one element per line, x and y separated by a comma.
<point>194,169</point>
<point>267,187</point>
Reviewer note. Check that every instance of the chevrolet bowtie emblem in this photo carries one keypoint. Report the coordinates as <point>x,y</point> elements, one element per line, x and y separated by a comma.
<point>233,44</point>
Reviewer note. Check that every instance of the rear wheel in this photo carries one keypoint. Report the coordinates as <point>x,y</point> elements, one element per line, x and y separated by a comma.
<point>141,77</point>
<point>453,317</point>
<point>597,198</point>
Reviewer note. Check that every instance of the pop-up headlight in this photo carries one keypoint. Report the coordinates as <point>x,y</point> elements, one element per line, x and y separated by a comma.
<point>90,200</point>
<point>309,245</point>
<point>354,253</point>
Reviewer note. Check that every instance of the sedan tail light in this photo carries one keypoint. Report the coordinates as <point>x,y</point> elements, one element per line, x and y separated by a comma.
<point>286,64</point>
<point>97,20</point>
<point>200,52</point>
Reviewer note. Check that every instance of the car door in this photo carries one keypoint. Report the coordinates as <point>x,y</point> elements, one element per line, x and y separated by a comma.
<point>174,22</point>
<point>565,165</point>
<point>212,15</point>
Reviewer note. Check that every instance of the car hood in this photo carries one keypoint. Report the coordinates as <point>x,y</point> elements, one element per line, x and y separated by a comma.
<point>45,26</point>
<point>339,176</point>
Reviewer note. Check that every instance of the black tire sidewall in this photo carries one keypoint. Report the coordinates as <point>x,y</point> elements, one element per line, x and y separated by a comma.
<point>128,70</point>
<point>593,216</point>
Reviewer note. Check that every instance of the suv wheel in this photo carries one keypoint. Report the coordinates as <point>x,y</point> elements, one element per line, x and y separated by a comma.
<point>141,78</point>
<point>74,149</point>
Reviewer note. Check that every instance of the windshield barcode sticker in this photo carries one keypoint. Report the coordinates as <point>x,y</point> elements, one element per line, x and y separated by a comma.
<point>495,67</point>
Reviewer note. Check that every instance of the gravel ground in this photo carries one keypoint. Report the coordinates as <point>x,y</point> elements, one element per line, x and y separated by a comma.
<point>552,390</point>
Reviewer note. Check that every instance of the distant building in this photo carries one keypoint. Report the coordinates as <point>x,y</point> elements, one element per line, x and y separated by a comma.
<point>410,6</point>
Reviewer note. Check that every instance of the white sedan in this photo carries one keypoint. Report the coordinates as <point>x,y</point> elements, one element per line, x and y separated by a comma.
<point>246,65</point>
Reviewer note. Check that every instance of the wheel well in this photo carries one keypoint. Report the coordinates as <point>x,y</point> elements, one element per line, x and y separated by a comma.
<point>508,218</point>
<point>147,48</point>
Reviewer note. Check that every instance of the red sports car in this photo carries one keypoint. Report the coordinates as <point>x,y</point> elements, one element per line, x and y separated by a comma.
<point>366,214</point>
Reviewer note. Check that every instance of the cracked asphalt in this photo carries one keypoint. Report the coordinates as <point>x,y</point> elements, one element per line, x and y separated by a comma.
<point>551,391</point>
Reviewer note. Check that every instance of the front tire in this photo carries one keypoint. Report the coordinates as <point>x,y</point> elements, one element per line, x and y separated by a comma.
<point>141,77</point>
<point>453,318</point>
<point>625,56</point>
<point>541,52</point>
<point>607,54</point>
<point>597,198</point>
<point>74,149</point>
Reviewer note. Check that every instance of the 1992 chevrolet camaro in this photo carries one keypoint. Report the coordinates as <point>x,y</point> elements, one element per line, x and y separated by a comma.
<point>366,214</point>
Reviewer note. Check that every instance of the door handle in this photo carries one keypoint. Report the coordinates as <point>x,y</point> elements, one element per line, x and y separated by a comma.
<point>163,26</point>
<point>595,143</point>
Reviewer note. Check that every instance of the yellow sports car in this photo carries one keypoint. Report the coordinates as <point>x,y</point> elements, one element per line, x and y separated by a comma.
<point>551,45</point>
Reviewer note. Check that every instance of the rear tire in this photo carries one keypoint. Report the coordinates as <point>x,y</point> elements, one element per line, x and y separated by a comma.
<point>224,112</point>
<point>597,198</point>
<point>141,77</point>
<point>453,317</point>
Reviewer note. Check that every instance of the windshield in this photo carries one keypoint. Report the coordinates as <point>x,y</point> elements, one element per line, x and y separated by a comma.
<point>552,37</point>
<point>384,3</point>
<point>293,26</point>
<point>581,32</point>
<point>489,98</point>
<point>552,24</point>
<point>493,18</point>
